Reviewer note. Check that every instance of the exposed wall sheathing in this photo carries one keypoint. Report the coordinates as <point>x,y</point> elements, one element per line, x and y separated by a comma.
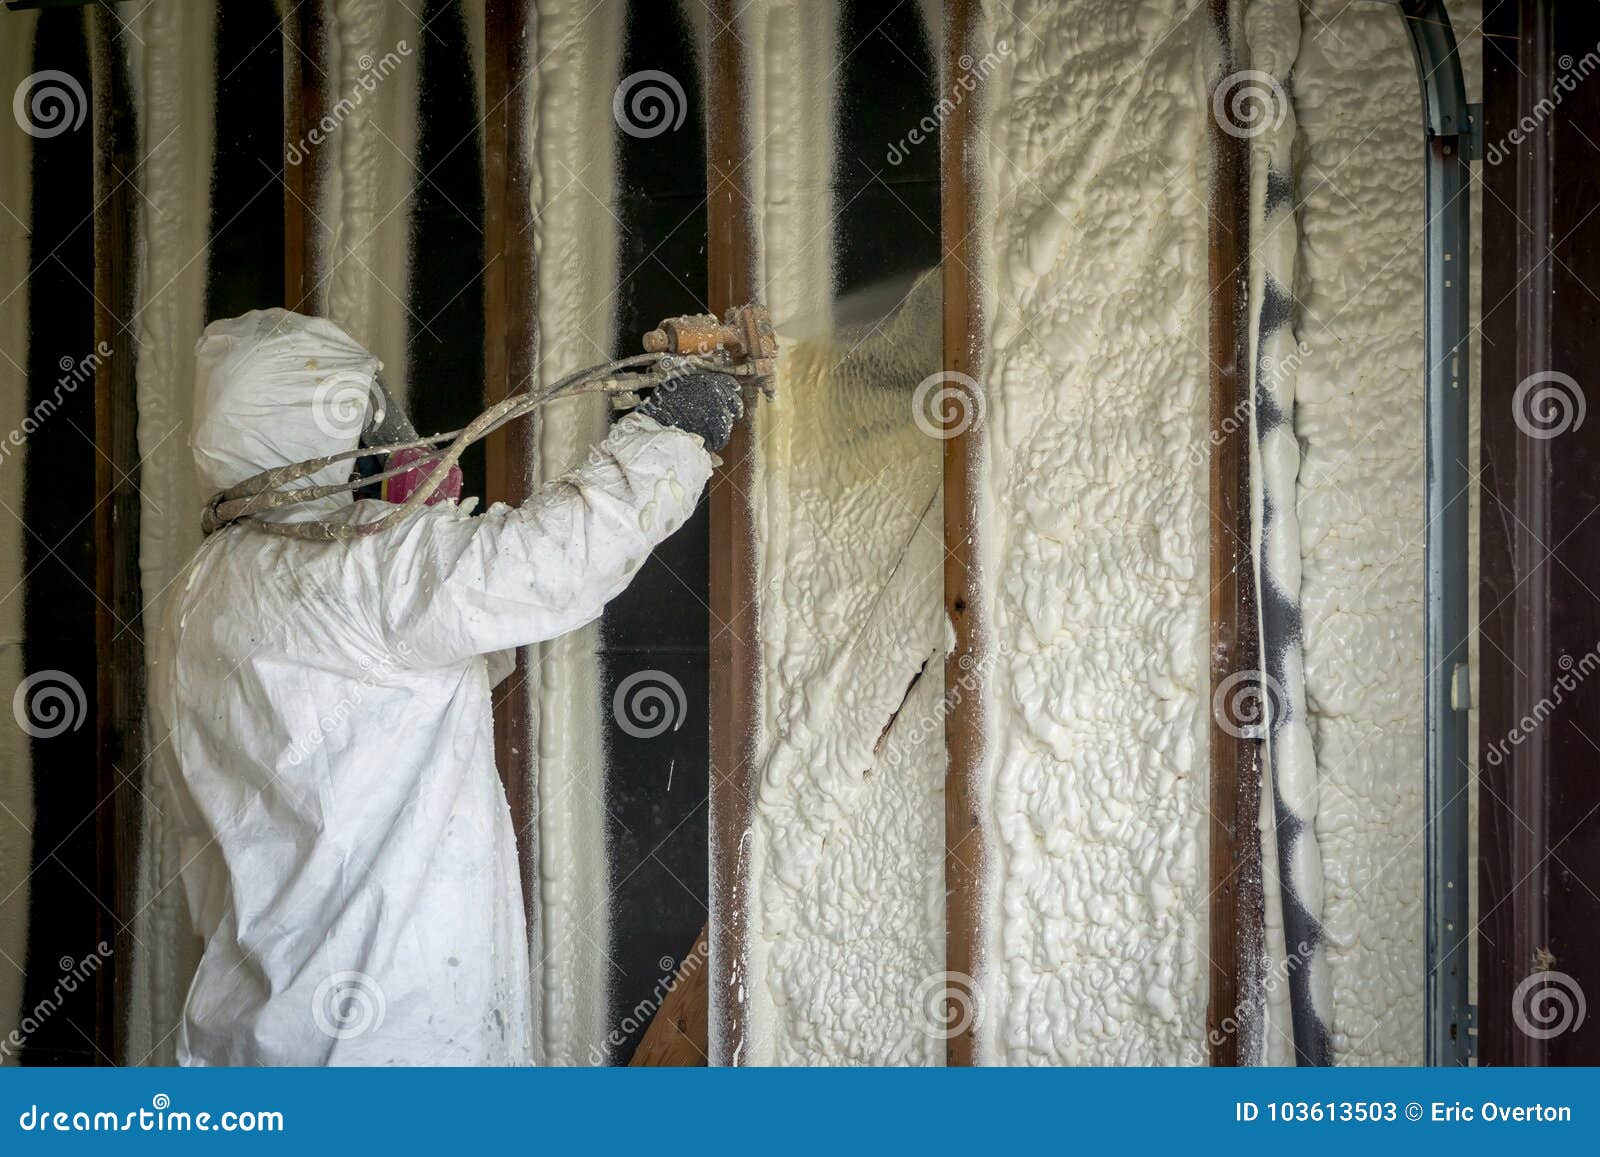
<point>16,765</point>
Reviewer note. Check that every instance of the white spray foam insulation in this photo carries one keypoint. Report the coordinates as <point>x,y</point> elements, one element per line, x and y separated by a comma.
<point>372,65</point>
<point>790,57</point>
<point>848,920</point>
<point>1360,421</point>
<point>16,762</point>
<point>1291,860</point>
<point>170,64</point>
<point>577,52</point>
<point>1094,532</point>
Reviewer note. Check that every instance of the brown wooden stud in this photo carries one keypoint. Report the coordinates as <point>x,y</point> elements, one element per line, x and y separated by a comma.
<point>963,355</point>
<point>119,630</point>
<point>510,354</point>
<point>677,1033</point>
<point>735,624</point>
<point>1237,906</point>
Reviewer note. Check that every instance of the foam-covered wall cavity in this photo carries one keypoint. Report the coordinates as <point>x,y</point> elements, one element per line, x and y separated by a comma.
<point>578,51</point>
<point>847,929</point>
<point>1360,419</point>
<point>846,902</point>
<point>1093,532</point>
<point>170,62</point>
<point>371,70</point>
<point>16,764</point>
<point>1298,991</point>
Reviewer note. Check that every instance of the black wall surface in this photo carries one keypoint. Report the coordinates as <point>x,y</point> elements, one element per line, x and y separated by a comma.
<point>445,342</point>
<point>657,629</point>
<point>59,564</point>
<point>245,262</point>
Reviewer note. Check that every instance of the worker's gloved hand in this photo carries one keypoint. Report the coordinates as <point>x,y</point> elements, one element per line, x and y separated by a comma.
<point>700,403</point>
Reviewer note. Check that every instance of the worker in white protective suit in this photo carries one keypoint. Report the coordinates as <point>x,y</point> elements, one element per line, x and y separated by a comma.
<point>346,847</point>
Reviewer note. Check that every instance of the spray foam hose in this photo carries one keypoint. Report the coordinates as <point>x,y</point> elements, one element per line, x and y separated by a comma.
<point>246,501</point>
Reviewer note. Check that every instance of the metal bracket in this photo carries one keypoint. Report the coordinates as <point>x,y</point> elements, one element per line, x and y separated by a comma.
<point>1472,141</point>
<point>1449,125</point>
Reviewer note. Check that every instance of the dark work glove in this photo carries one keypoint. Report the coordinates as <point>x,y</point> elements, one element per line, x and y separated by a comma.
<point>699,403</point>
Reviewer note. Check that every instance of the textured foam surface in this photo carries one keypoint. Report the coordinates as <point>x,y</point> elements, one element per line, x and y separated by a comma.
<point>1094,533</point>
<point>1361,482</point>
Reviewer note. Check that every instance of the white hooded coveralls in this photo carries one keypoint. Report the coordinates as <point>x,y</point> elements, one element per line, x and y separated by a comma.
<point>347,851</point>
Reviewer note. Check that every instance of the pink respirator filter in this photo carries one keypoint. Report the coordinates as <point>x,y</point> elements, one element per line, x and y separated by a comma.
<point>402,486</point>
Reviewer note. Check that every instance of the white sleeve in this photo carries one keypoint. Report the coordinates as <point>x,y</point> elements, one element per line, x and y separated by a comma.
<point>456,587</point>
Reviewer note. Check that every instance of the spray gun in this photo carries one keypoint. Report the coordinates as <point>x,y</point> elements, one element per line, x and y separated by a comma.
<point>742,344</point>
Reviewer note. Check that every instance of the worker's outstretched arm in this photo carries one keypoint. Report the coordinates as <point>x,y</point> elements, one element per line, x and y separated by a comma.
<point>457,587</point>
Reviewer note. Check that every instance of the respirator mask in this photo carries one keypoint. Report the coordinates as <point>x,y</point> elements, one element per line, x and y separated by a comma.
<point>387,425</point>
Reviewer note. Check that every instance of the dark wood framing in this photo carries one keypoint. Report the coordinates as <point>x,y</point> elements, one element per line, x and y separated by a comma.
<point>734,662</point>
<point>119,629</point>
<point>1237,907</point>
<point>510,314</point>
<point>963,363</point>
